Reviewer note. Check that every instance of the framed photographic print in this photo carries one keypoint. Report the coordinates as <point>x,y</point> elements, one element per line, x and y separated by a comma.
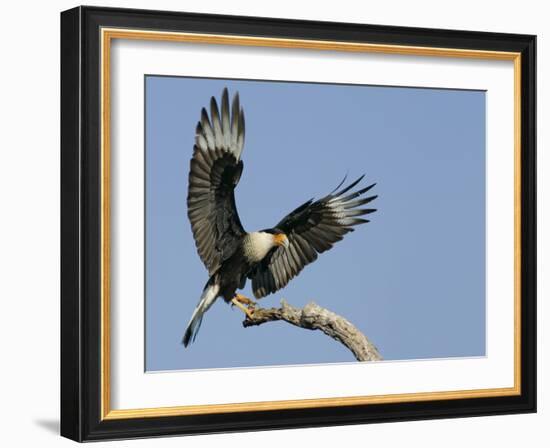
<point>274,224</point>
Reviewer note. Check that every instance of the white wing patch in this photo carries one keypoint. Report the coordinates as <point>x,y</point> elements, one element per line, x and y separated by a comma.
<point>226,130</point>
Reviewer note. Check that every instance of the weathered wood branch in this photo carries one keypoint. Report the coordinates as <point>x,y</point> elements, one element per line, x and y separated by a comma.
<point>314,317</point>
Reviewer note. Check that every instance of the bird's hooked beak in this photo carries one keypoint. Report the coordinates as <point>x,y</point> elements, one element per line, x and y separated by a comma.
<point>281,240</point>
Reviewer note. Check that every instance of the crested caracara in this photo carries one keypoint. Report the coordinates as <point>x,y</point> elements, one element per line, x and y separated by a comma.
<point>269,257</point>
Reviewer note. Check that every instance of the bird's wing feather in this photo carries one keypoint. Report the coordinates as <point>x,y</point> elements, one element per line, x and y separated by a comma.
<point>215,170</point>
<point>312,228</point>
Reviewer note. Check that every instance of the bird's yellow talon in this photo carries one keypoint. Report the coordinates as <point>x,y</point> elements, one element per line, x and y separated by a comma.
<point>244,300</point>
<point>240,301</point>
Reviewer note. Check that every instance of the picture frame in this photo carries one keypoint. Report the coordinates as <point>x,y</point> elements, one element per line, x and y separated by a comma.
<point>87,386</point>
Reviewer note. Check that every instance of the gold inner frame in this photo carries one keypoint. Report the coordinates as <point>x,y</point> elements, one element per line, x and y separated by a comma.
<point>107,35</point>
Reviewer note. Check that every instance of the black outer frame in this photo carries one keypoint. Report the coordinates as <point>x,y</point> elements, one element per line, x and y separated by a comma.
<point>80,223</point>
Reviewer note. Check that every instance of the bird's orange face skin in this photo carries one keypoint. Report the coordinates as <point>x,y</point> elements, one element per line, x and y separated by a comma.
<point>280,239</point>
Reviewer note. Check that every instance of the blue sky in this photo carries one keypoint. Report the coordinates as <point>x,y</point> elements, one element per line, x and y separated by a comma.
<point>413,280</point>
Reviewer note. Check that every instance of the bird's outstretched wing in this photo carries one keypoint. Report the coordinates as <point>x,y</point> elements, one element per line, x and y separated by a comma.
<point>216,168</point>
<point>311,229</point>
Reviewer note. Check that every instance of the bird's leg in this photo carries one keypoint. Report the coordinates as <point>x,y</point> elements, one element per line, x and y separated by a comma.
<point>244,300</point>
<point>240,301</point>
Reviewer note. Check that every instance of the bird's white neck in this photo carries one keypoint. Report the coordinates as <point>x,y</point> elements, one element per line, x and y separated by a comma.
<point>256,245</point>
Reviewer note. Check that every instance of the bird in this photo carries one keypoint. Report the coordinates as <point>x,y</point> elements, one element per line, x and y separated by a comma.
<point>270,257</point>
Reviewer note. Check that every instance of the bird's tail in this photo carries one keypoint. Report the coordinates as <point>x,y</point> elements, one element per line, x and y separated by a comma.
<point>208,297</point>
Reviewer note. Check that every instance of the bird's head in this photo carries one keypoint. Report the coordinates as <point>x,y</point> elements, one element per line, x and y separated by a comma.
<point>280,239</point>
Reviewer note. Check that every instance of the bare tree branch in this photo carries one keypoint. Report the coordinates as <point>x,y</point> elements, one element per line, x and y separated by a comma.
<point>314,317</point>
